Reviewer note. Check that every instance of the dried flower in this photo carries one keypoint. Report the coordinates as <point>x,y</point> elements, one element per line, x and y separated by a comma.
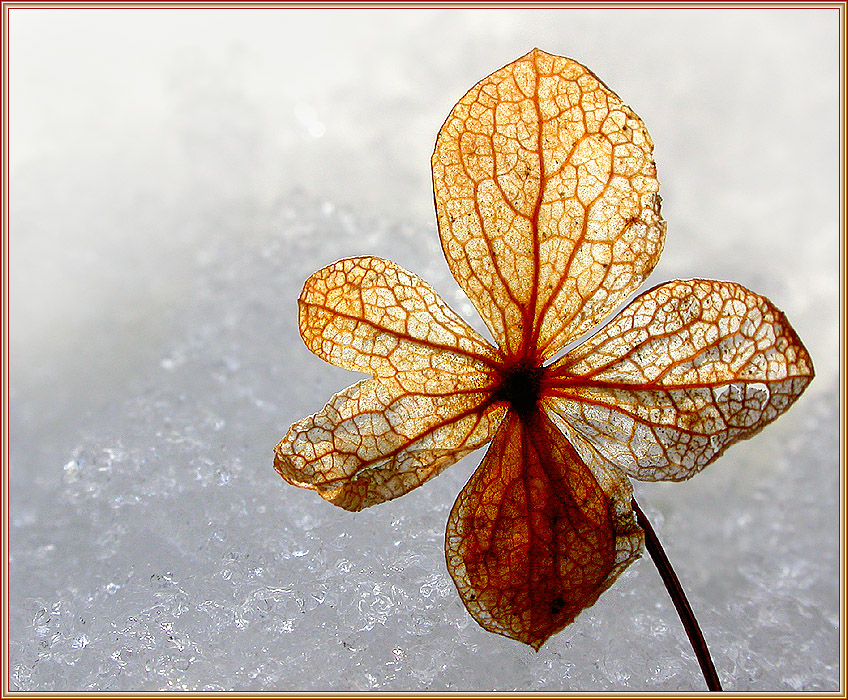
<point>549,217</point>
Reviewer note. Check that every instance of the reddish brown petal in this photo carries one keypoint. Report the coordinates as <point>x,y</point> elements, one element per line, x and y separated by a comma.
<point>684,371</point>
<point>376,440</point>
<point>370,315</point>
<point>546,196</point>
<point>533,539</point>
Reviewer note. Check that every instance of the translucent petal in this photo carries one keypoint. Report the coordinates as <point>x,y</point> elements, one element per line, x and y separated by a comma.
<point>546,196</point>
<point>533,538</point>
<point>376,440</point>
<point>370,315</point>
<point>687,369</point>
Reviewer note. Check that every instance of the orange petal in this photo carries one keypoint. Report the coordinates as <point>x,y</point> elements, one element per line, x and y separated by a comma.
<point>546,195</point>
<point>684,371</point>
<point>370,315</point>
<point>533,539</point>
<point>376,441</point>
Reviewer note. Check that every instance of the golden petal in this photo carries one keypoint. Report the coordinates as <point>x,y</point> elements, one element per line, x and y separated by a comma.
<point>546,195</point>
<point>376,441</point>
<point>683,372</point>
<point>369,315</point>
<point>533,539</point>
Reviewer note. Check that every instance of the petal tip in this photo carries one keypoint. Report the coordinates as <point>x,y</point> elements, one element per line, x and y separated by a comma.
<point>285,468</point>
<point>347,499</point>
<point>537,643</point>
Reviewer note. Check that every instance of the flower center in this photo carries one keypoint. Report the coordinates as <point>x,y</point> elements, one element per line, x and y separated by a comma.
<point>520,386</point>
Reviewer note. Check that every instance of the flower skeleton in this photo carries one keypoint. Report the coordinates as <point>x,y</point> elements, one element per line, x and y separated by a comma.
<point>549,217</point>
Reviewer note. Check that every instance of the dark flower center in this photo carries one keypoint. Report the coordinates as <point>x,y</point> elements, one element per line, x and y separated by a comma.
<point>520,386</point>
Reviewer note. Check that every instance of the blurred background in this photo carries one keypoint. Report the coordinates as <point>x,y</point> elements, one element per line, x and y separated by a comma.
<point>175,175</point>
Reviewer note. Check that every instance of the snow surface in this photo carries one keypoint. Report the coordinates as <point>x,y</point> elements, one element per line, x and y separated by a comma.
<point>175,177</point>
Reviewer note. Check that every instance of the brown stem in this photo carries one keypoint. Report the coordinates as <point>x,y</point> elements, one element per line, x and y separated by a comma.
<point>678,597</point>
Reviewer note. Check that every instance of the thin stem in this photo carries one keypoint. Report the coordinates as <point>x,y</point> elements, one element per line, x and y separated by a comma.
<point>678,597</point>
